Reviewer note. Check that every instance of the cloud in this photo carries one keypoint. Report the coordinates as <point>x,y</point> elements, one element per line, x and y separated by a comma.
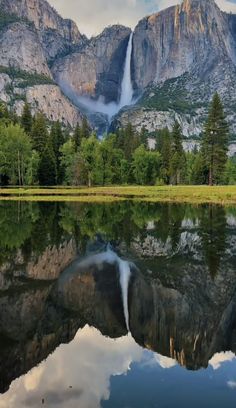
<point>76,374</point>
<point>231,384</point>
<point>219,358</point>
<point>93,15</point>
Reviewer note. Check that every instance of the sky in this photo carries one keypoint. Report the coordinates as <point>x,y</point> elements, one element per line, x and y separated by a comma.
<point>92,16</point>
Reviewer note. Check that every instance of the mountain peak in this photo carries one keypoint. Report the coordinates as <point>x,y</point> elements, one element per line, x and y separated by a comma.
<point>43,15</point>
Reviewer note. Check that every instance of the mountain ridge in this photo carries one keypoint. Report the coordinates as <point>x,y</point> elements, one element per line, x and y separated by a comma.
<point>190,46</point>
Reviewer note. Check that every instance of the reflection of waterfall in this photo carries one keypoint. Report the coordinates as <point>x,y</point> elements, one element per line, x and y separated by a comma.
<point>124,270</point>
<point>126,87</point>
<point>125,273</point>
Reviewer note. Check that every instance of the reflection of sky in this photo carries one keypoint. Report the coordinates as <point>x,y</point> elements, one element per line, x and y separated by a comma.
<point>94,370</point>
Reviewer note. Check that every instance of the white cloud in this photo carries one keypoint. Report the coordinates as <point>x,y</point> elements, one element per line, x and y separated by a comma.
<point>219,358</point>
<point>76,374</point>
<point>93,15</point>
<point>231,384</point>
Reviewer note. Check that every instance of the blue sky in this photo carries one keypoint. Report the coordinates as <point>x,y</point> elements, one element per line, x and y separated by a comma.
<point>93,15</point>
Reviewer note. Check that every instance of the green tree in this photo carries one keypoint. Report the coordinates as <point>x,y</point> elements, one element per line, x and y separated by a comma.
<point>146,166</point>
<point>57,140</point>
<point>178,160</point>
<point>47,171</point>
<point>108,161</point>
<point>77,137</point>
<point>39,133</point>
<point>164,147</point>
<point>32,169</point>
<point>215,142</point>
<point>69,158</point>
<point>88,157</point>
<point>15,153</point>
<point>230,171</point>
<point>85,129</point>
<point>26,119</point>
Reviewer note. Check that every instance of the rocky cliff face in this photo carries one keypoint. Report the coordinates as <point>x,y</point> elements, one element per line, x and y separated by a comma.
<point>194,36</point>
<point>57,34</point>
<point>30,39</point>
<point>21,49</point>
<point>97,69</point>
<point>181,57</point>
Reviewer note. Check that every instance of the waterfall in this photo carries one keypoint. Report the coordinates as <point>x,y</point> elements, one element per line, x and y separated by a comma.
<point>126,86</point>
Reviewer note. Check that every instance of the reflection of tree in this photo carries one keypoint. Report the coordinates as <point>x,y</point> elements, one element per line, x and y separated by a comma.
<point>30,227</point>
<point>115,222</point>
<point>47,231</point>
<point>213,235</point>
<point>16,221</point>
<point>170,223</point>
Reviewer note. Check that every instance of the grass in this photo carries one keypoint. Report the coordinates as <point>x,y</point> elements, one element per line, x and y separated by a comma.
<point>225,195</point>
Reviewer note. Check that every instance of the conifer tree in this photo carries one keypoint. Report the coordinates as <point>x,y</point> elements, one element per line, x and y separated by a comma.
<point>215,142</point>
<point>177,162</point>
<point>26,119</point>
<point>131,141</point>
<point>164,147</point>
<point>77,137</point>
<point>47,172</point>
<point>39,133</point>
<point>57,140</point>
<point>85,129</point>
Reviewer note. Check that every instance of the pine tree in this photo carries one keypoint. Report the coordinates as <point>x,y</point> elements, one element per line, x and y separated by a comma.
<point>77,137</point>
<point>177,162</point>
<point>26,119</point>
<point>131,141</point>
<point>47,172</point>
<point>215,142</point>
<point>164,147</point>
<point>39,133</point>
<point>57,140</point>
<point>85,129</point>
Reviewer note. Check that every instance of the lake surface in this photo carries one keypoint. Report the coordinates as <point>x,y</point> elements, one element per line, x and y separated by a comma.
<point>125,305</point>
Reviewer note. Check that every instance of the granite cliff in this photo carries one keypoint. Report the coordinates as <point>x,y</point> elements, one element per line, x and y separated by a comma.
<point>180,57</point>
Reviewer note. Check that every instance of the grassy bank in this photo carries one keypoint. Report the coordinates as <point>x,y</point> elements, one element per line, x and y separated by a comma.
<point>188,194</point>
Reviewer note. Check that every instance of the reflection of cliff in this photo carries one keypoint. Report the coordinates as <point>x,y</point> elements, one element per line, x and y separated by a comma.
<point>178,305</point>
<point>189,318</point>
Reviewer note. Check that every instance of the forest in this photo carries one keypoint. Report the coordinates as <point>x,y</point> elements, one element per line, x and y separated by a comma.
<point>36,152</point>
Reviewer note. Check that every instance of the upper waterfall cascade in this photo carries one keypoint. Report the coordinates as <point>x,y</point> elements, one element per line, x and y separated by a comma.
<point>126,86</point>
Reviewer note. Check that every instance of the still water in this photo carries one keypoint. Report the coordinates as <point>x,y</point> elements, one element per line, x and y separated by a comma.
<point>126,305</point>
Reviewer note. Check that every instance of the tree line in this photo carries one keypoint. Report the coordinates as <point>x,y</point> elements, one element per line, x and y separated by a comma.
<point>35,152</point>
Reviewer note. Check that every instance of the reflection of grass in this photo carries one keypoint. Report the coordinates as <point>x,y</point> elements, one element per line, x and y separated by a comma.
<point>185,194</point>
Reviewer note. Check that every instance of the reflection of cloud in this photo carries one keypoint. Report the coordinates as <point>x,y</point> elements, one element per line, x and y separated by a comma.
<point>165,362</point>
<point>219,358</point>
<point>32,380</point>
<point>162,361</point>
<point>231,384</point>
<point>78,373</point>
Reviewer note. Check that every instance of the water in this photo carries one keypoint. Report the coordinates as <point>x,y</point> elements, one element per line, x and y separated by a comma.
<point>117,305</point>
